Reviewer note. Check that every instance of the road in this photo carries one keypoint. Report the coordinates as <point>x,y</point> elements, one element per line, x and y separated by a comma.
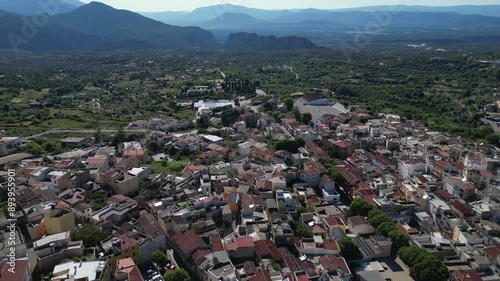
<point>222,73</point>
<point>493,124</point>
<point>90,131</point>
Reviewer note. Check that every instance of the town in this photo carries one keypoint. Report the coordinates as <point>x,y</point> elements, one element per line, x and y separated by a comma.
<point>313,191</point>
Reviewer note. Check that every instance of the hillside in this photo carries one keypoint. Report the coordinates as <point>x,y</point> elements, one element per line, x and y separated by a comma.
<point>252,41</point>
<point>102,20</point>
<point>31,7</point>
<point>234,21</point>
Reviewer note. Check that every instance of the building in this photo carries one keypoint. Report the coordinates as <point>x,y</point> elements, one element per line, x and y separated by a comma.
<point>153,229</point>
<point>121,247</point>
<point>49,221</point>
<point>127,270</point>
<point>12,142</point>
<point>4,151</point>
<point>52,249</point>
<point>359,225</point>
<point>90,270</point>
<point>315,99</point>
<point>72,141</point>
<point>22,271</point>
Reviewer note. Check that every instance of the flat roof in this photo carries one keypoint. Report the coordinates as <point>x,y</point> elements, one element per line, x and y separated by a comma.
<point>14,158</point>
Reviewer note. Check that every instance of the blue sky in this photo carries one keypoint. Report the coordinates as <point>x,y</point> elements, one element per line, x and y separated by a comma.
<point>187,5</point>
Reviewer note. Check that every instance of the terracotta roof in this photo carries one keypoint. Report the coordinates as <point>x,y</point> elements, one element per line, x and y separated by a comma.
<point>313,97</point>
<point>19,273</point>
<point>98,160</point>
<point>151,226</point>
<point>460,275</point>
<point>493,252</point>
<point>261,275</point>
<point>199,255</point>
<point>331,263</point>
<point>334,221</point>
<point>127,267</point>
<point>267,248</point>
<point>216,243</point>
<point>330,244</point>
<point>462,208</point>
<point>127,242</point>
<point>189,241</point>
<point>357,220</point>
<point>241,242</point>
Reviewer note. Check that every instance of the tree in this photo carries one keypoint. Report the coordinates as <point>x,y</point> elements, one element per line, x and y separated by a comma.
<point>153,146</point>
<point>91,235</point>
<point>301,210</point>
<point>159,258</point>
<point>119,136</point>
<point>98,135</point>
<point>359,207</point>
<point>399,239</point>
<point>385,228</point>
<point>32,148</point>
<point>178,274</point>
<point>379,219</point>
<point>411,255</point>
<point>429,269</point>
<point>296,114</point>
<point>306,117</point>
<point>350,249</point>
<point>289,103</point>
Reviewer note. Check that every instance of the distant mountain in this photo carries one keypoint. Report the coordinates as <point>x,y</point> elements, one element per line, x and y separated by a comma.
<point>101,20</point>
<point>99,27</point>
<point>483,10</point>
<point>234,21</point>
<point>31,7</point>
<point>254,42</point>
<point>52,37</point>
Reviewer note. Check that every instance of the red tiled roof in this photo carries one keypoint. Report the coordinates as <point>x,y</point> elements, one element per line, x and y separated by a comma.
<point>462,208</point>
<point>216,243</point>
<point>331,263</point>
<point>330,244</point>
<point>333,221</point>
<point>241,242</point>
<point>127,242</point>
<point>189,241</point>
<point>460,275</point>
<point>150,225</point>
<point>357,220</point>
<point>98,160</point>
<point>265,184</point>
<point>200,254</point>
<point>493,252</point>
<point>261,275</point>
<point>267,248</point>
<point>128,267</point>
<point>444,194</point>
<point>18,275</point>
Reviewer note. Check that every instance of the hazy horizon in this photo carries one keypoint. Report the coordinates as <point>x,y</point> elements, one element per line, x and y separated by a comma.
<point>189,5</point>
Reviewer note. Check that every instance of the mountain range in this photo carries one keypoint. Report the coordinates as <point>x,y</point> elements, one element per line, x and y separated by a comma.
<point>332,27</point>
<point>96,25</point>
<point>73,25</point>
<point>204,14</point>
<point>31,7</point>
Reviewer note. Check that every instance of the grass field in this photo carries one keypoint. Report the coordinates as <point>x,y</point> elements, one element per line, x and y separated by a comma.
<point>169,167</point>
<point>186,114</point>
<point>63,124</point>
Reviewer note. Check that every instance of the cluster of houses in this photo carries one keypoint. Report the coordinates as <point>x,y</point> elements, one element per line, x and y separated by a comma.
<point>250,212</point>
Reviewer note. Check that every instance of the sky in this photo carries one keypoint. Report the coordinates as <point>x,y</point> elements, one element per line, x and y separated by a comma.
<point>188,5</point>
